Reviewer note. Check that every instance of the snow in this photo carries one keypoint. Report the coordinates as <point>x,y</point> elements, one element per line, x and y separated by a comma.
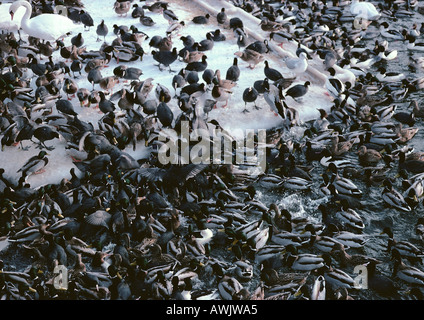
<point>220,57</point>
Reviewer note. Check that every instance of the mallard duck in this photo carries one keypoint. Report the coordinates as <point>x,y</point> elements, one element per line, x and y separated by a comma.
<point>350,260</point>
<point>286,238</point>
<point>368,157</point>
<point>409,274</point>
<point>394,198</point>
<point>410,165</point>
<point>405,248</point>
<point>338,147</point>
<point>404,134</point>
<point>334,277</point>
<point>347,238</point>
<point>228,287</point>
<point>252,57</point>
<point>349,217</point>
<point>343,185</point>
<point>419,228</point>
<point>34,165</point>
<point>302,261</point>
<point>122,7</point>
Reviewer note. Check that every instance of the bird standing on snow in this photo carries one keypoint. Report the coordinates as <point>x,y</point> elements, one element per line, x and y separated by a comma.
<point>35,164</point>
<point>102,30</point>
<point>250,95</point>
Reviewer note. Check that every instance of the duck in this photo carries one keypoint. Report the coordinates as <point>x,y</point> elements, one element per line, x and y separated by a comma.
<point>405,248</point>
<point>280,37</point>
<point>334,85</point>
<point>351,260</point>
<point>368,157</point>
<point>34,165</point>
<point>381,284</point>
<point>394,198</point>
<point>390,33</point>
<point>302,261</point>
<point>349,217</point>
<point>228,287</point>
<point>383,75</point>
<point>335,278</point>
<point>250,56</point>
<point>413,45</point>
<point>410,274</point>
<point>165,58</point>
<point>40,25</point>
<point>122,7</point>
<point>221,17</point>
<point>410,165</point>
<point>233,72</point>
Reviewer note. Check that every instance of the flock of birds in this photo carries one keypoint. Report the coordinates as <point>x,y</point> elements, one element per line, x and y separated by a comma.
<point>129,228</point>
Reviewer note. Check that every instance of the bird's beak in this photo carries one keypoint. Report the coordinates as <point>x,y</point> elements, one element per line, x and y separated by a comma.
<point>11,15</point>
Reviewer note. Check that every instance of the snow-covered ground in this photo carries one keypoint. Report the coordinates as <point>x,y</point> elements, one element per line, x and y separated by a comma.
<point>220,57</point>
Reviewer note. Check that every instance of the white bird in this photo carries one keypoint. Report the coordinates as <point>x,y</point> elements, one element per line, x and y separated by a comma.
<point>364,9</point>
<point>6,23</point>
<point>298,65</point>
<point>46,26</point>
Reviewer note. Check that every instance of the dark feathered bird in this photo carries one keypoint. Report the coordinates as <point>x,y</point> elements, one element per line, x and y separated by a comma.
<point>201,19</point>
<point>236,23</point>
<point>102,30</point>
<point>165,58</point>
<point>221,17</point>
<point>259,46</point>
<point>137,12</point>
<point>77,40</point>
<point>233,72</point>
<point>94,76</point>
<point>271,73</point>
<point>66,107</point>
<point>198,66</point>
<point>86,19</point>
<point>249,95</point>
<point>105,105</point>
<point>164,114</point>
<point>45,133</point>
<point>298,90</point>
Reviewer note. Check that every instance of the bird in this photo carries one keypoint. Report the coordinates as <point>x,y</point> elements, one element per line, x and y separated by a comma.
<point>45,133</point>
<point>165,58</point>
<point>77,40</point>
<point>65,106</point>
<point>122,7</point>
<point>271,73</point>
<point>44,26</point>
<point>221,17</point>
<point>201,19</point>
<point>297,91</point>
<point>34,165</point>
<point>252,57</point>
<point>86,19</point>
<point>297,65</point>
<point>102,30</point>
<point>250,94</point>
